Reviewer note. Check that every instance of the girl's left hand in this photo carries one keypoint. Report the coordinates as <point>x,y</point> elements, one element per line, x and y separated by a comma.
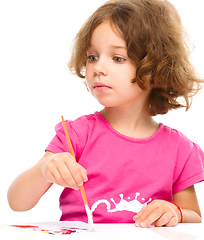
<point>160,213</point>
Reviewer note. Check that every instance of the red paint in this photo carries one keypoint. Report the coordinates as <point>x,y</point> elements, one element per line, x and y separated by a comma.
<point>51,231</point>
<point>63,231</point>
<point>24,226</point>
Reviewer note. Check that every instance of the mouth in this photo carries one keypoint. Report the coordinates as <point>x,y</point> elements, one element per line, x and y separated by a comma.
<point>101,86</point>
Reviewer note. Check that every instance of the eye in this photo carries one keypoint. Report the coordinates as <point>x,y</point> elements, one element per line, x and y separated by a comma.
<point>118,59</point>
<point>92,58</point>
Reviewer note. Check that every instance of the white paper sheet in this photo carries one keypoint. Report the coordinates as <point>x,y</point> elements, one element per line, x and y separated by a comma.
<point>83,231</point>
<point>104,231</point>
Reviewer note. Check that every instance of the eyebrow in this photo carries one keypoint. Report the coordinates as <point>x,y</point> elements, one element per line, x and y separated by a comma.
<point>123,47</point>
<point>113,46</point>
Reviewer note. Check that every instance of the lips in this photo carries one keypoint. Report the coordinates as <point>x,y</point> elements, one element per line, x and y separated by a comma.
<point>100,85</point>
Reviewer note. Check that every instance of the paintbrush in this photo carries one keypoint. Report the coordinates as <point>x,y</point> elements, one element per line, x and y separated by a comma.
<point>88,211</point>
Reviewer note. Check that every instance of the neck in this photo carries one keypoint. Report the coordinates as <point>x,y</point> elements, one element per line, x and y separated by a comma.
<point>135,123</point>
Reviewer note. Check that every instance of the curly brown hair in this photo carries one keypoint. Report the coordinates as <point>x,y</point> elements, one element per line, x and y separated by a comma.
<point>156,42</point>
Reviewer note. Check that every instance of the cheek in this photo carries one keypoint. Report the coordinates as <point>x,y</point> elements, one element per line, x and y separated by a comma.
<point>88,80</point>
<point>125,78</point>
<point>128,73</point>
<point>132,72</point>
<point>89,67</point>
<point>87,74</point>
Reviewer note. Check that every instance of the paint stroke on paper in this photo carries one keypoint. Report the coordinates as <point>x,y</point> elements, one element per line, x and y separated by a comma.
<point>61,231</point>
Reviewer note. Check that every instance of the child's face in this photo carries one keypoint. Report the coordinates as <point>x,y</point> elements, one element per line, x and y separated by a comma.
<point>109,70</point>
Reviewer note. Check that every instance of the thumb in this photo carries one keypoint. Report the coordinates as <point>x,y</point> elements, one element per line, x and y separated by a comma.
<point>83,173</point>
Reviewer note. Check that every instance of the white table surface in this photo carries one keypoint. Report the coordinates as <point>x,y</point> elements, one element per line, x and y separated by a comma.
<point>184,231</point>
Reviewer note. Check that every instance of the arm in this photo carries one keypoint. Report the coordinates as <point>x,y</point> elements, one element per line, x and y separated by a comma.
<point>188,202</point>
<point>27,189</point>
<point>163,213</point>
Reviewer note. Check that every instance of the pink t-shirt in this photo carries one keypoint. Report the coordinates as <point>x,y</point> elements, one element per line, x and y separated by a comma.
<point>125,173</point>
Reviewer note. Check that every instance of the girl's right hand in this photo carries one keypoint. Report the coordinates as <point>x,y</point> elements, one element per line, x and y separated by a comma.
<point>62,169</point>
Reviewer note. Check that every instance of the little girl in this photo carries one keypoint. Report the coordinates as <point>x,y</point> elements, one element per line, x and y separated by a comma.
<point>136,64</point>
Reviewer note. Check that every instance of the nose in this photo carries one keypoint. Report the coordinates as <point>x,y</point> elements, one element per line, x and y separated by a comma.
<point>100,67</point>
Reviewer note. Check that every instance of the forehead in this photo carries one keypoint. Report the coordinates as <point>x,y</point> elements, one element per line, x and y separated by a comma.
<point>106,33</point>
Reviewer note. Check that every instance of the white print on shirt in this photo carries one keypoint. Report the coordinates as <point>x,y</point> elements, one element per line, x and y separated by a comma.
<point>131,206</point>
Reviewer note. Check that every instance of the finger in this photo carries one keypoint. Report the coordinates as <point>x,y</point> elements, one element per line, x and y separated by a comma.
<point>54,177</point>
<point>83,173</point>
<point>78,172</point>
<point>148,217</point>
<point>65,178</point>
<point>138,215</point>
<point>53,174</point>
<point>163,220</point>
<point>173,222</point>
<point>141,216</point>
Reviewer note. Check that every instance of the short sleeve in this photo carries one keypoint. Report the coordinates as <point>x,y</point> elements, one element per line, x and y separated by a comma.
<point>190,166</point>
<point>78,135</point>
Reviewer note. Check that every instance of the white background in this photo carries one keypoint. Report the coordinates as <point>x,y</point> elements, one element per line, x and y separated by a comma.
<point>36,89</point>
